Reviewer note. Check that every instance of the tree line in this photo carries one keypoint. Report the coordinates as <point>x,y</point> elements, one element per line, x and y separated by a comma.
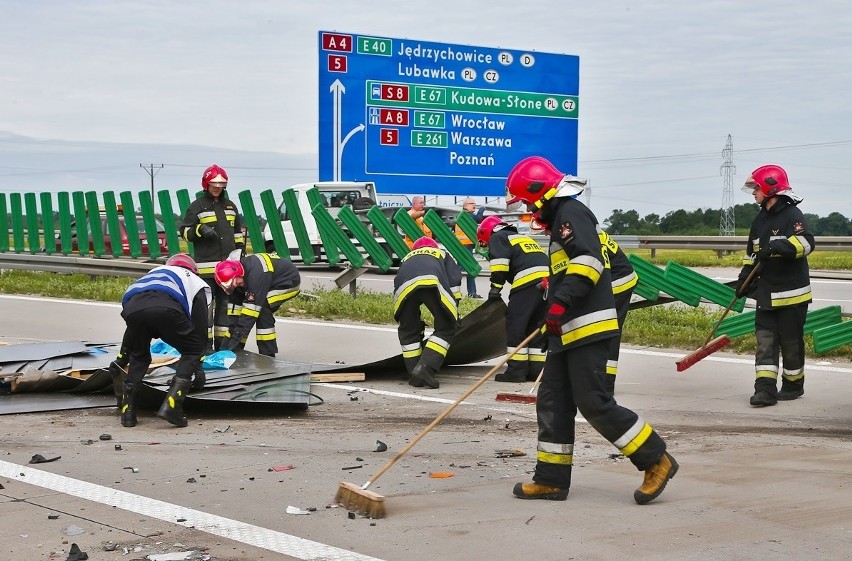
<point>705,222</point>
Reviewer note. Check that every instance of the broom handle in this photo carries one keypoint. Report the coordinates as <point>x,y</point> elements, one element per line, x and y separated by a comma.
<point>746,282</point>
<point>450,409</point>
<point>537,381</point>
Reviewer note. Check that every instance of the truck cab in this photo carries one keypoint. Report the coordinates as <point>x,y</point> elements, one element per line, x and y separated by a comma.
<point>335,195</point>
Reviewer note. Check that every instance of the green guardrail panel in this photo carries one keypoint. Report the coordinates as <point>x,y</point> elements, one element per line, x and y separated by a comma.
<point>183,205</point>
<point>4,216</point>
<point>297,221</point>
<point>273,219</point>
<point>469,226</point>
<point>16,207</point>
<point>112,222</point>
<point>47,226</point>
<point>653,275</point>
<point>702,286</point>
<point>823,317</point>
<point>33,234</point>
<point>407,224</point>
<point>253,228</point>
<point>451,242</point>
<point>149,222</point>
<point>327,237</point>
<point>130,224</point>
<point>376,252</point>
<point>78,200</point>
<point>737,325</point>
<point>168,214</point>
<point>65,232</point>
<point>832,337</point>
<point>388,231</point>
<point>95,225</point>
<point>331,231</point>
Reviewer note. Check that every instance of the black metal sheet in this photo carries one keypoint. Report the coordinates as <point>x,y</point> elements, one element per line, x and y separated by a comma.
<point>41,402</point>
<point>37,351</point>
<point>481,336</point>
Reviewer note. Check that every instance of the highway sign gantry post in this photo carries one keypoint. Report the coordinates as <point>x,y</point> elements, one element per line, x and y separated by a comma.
<point>441,119</point>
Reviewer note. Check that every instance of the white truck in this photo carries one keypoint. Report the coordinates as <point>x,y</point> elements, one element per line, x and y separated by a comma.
<point>335,195</point>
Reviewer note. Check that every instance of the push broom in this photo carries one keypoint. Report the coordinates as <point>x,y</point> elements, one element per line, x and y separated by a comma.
<point>712,345</point>
<point>359,499</point>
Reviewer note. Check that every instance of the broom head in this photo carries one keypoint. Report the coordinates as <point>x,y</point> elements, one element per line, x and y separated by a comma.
<point>711,347</point>
<point>361,501</point>
<point>516,397</point>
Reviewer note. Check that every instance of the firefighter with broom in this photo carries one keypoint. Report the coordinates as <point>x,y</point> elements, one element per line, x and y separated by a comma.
<point>580,321</point>
<point>780,241</point>
<point>427,276</point>
<point>520,261</point>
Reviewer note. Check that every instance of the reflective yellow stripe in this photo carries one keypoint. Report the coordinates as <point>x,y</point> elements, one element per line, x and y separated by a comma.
<point>612,367</point>
<point>624,283</point>
<point>279,296</point>
<point>791,297</point>
<point>437,348</point>
<point>640,439</point>
<point>550,458</point>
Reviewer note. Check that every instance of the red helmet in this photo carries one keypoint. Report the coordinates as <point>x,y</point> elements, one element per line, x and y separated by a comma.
<point>183,260</point>
<point>213,174</point>
<point>771,180</point>
<point>532,179</point>
<point>486,228</point>
<point>226,272</point>
<point>424,242</point>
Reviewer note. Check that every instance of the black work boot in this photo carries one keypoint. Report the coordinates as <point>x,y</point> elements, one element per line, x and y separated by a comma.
<point>515,372</point>
<point>118,372</point>
<point>172,407</point>
<point>655,480</point>
<point>128,405</point>
<point>199,378</point>
<point>538,491</point>
<point>421,376</point>
<point>763,398</point>
<point>791,390</point>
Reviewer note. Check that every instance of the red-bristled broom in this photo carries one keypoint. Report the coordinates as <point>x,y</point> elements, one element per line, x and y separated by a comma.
<point>712,345</point>
<point>359,499</point>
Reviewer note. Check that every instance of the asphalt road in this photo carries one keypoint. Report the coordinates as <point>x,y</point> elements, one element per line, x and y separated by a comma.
<point>754,483</point>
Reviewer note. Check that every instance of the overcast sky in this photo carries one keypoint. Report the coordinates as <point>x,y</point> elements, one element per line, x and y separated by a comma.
<point>662,85</point>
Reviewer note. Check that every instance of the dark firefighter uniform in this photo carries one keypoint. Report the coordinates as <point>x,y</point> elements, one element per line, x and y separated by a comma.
<point>782,293</point>
<point>574,368</point>
<point>521,262</point>
<point>430,277</point>
<point>169,303</point>
<point>624,280</point>
<point>221,215</point>
<point>269,282</point>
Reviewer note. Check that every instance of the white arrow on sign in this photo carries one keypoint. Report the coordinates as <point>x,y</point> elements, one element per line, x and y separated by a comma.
<point>338,89</point>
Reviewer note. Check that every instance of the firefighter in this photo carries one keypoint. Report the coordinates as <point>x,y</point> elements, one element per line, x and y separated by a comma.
<point>580,321</point>
<point>521,262</point>
<point>212,225</point>
<point>427,276</point>
<point>624,280</point>
<point>780,239</point>
<point>169,302</point>
<point>257,285</point>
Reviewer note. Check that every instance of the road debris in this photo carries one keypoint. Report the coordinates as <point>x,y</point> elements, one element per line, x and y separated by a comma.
<point>381,446</point>
<point>296,510</point>
<point>39,459</point>
<point>509,453</point>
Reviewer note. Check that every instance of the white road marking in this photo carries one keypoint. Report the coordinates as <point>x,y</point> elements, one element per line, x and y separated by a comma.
<point>249,534</point>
